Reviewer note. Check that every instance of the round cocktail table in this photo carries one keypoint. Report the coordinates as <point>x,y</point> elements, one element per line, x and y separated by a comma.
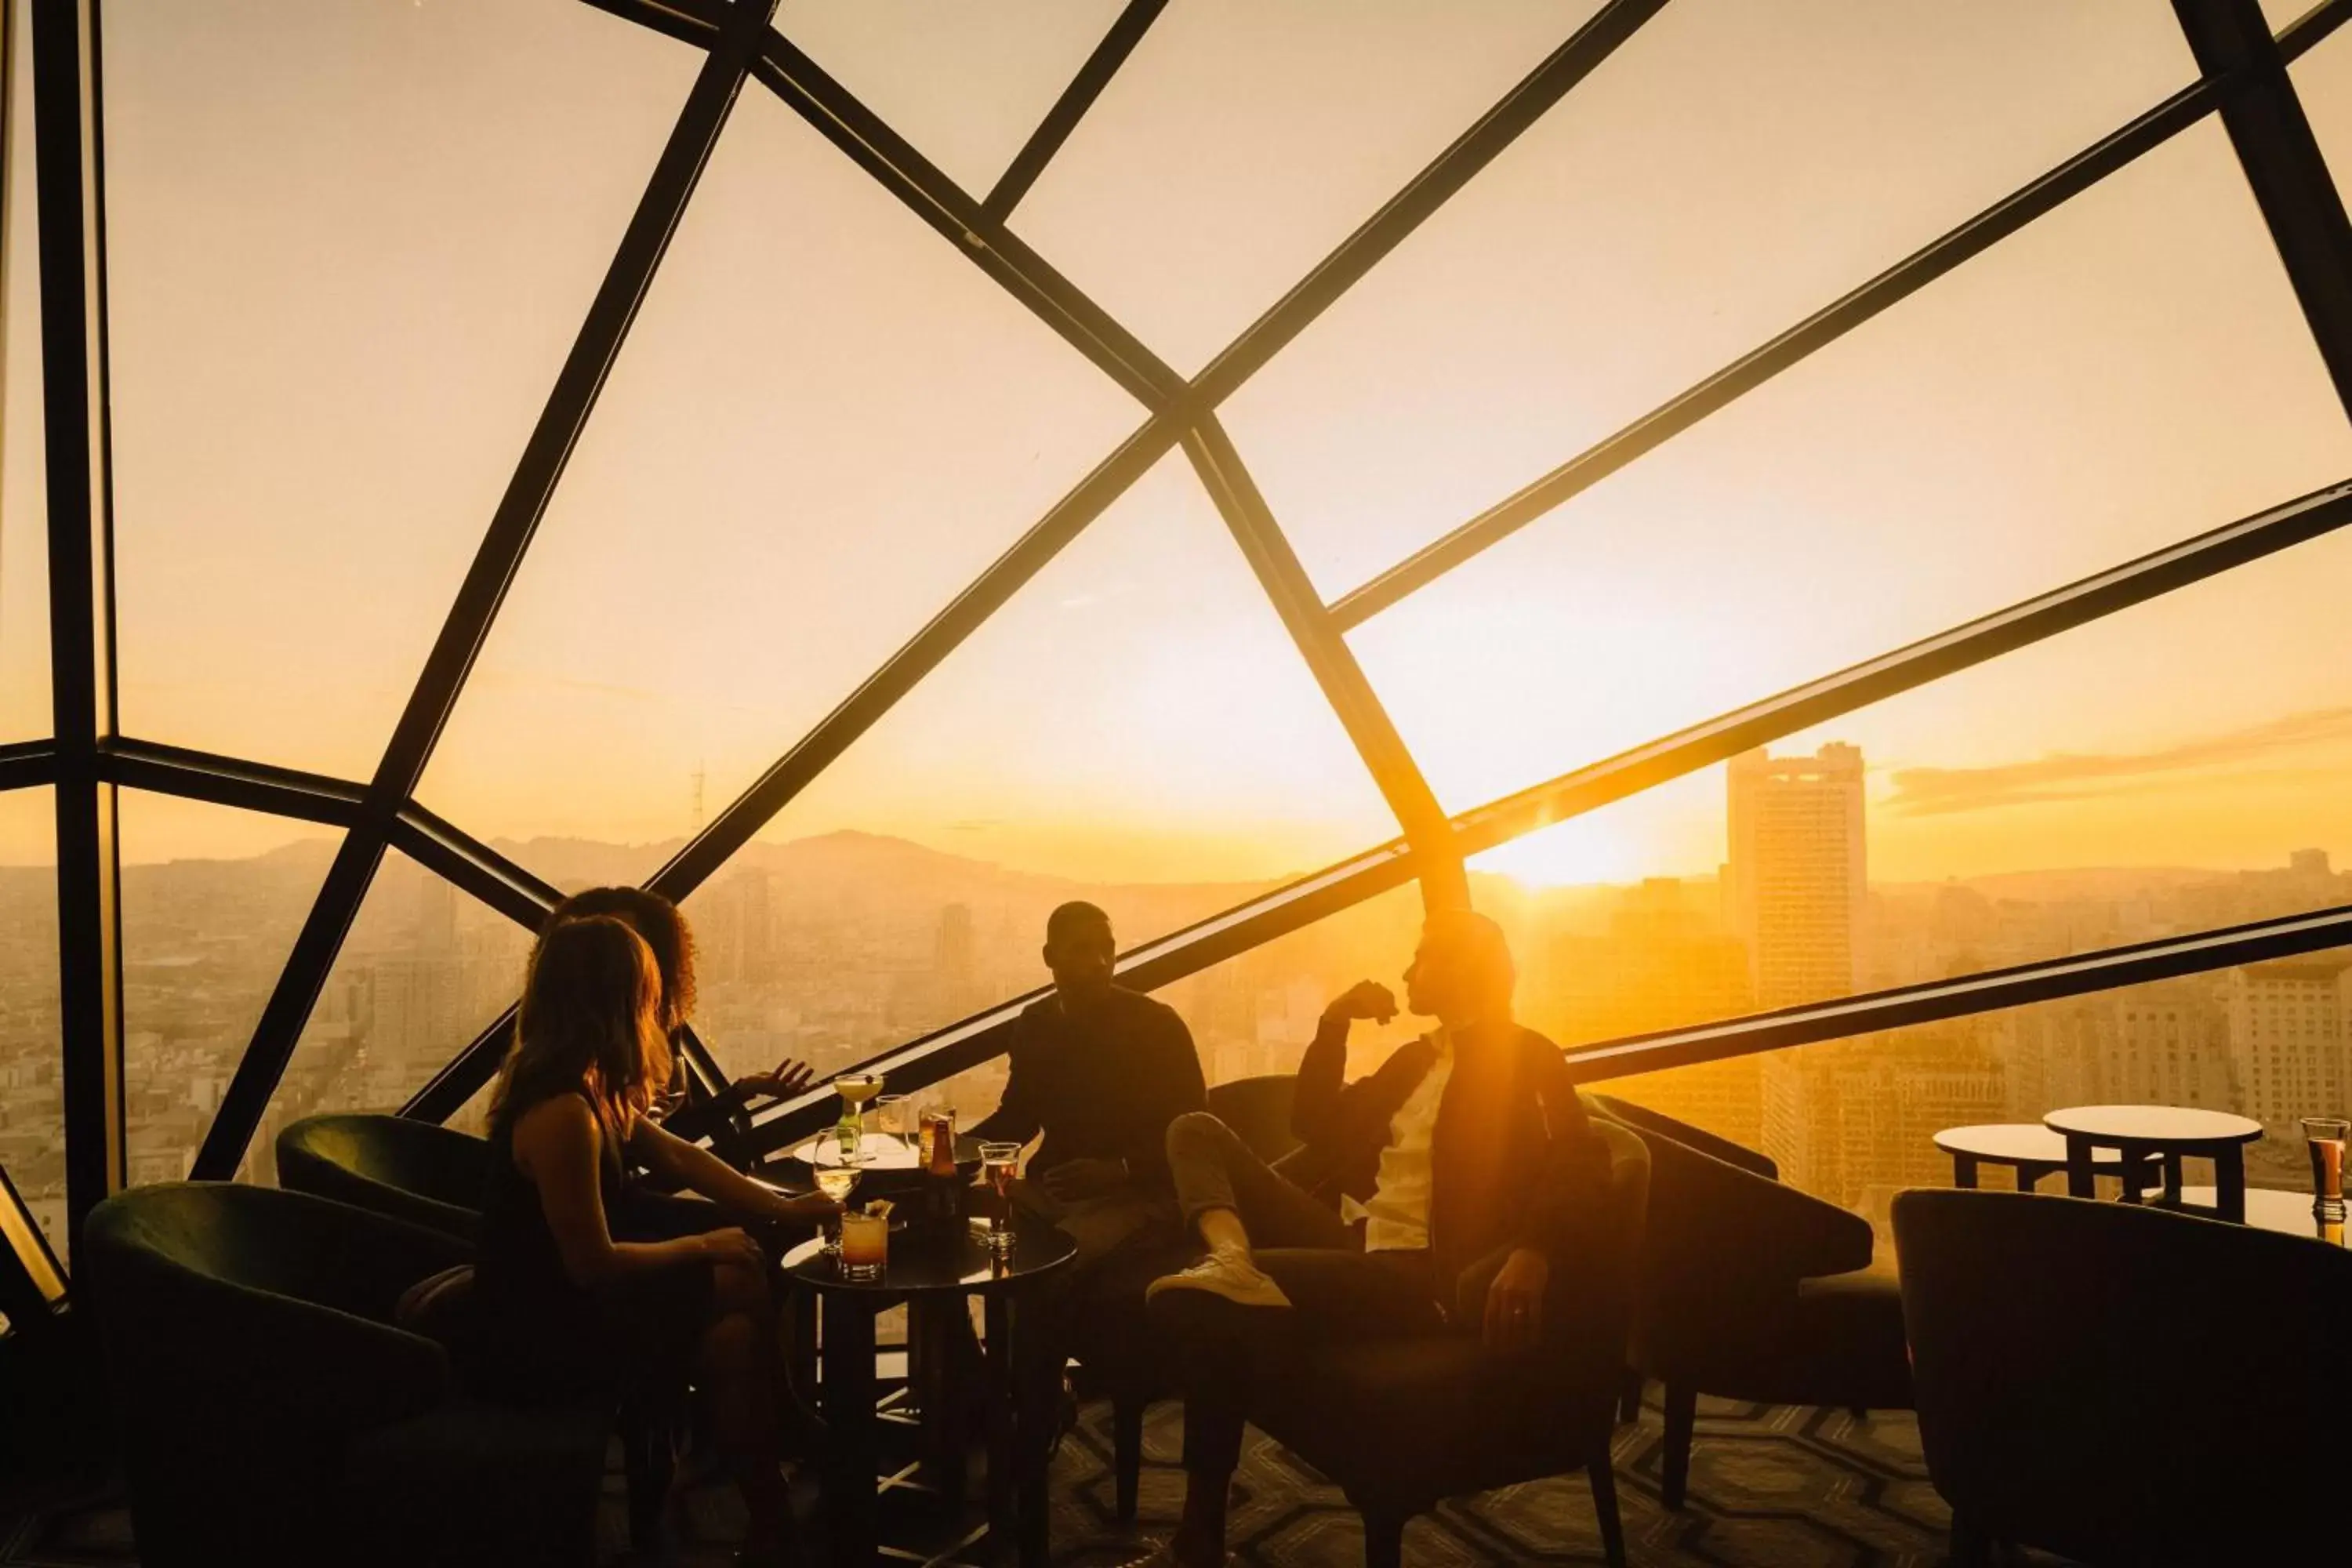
<point>932,1265</point>
<point>2169,1132</point>
<point>2268,1209</point>
<point>2030,1148</point>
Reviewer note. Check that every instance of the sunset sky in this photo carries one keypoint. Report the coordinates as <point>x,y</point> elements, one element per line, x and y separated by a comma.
<point>350,241</point>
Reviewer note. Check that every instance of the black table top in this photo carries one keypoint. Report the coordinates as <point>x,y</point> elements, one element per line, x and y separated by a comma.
<point>2270,1208</point>
<point>2174,1127</point>
<point>933,1258</point>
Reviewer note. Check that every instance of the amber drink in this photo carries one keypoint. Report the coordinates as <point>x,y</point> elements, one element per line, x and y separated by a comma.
<point>2325,1136</point>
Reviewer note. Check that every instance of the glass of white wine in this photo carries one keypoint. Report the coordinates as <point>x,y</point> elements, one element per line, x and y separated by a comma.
<point>835,1182</point>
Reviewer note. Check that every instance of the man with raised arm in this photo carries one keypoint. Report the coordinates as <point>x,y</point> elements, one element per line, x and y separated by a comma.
<point>1463,1167</point>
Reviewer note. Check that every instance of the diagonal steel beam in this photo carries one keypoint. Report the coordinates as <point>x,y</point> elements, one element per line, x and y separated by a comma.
<point>70,178</point>
<point>24,764</point>
<point>932,196</point>
<point>231,780</point>
<point>505,886</point>
<point>2283,167</point>
<point>639,255</point>
<point>1600,36</point>
<point>1103,64</point>
<point>1333,663</point>
<point>1769,359</point>
<point>965,1044</point>
<point>2106,970</point>
<point>893,161</point>
<point>698,21</point>
<point>1825,326</point>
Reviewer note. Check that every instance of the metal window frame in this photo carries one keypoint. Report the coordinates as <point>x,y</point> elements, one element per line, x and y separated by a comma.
<point>2242,76</point>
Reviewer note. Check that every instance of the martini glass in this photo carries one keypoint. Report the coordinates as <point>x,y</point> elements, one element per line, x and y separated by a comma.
<point>854,1089</point>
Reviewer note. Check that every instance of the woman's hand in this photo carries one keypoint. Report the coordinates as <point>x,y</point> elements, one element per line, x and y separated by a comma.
<point>786,1080</point>
<point>732,1245</point>
<point>1515,1300</point>
<point>805,1208</point>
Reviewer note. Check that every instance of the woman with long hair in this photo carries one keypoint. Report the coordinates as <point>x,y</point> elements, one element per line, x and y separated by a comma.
<point>565,1310</point>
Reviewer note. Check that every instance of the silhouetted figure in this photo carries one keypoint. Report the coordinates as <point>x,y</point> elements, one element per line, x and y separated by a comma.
<point>1463,1167</point>
<point>565,1310</point>
<point>1100,1071</point>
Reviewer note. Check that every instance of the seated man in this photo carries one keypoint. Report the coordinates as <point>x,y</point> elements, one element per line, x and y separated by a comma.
<point>1101,1071</point>
<point>1464,1162</point>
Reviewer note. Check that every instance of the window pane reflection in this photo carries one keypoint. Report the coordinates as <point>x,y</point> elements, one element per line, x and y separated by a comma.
<point>826,424</point>
<point>424,968</point>
<point>344,264</point>
<point>2128,372</point>
<point>212,901</point>
<point>25,711</point>
<point>1732,169</point>
<point>32,1100</point>
<point>1247,138</point>
<point>966,84</point>
<point>1134,728</point>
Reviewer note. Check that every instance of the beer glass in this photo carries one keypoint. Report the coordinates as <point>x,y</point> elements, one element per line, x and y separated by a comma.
<point>2323,1136</point>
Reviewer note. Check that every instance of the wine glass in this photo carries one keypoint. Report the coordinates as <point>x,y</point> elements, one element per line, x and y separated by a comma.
<point>835,1182</point>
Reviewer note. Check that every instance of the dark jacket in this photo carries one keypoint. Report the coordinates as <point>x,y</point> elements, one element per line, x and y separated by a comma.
<point>1513,1161</point>
<point>1101,1084</point>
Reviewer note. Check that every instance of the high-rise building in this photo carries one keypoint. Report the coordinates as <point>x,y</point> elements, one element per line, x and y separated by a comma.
<point>2287,1038</point>
<point>1796,875</point>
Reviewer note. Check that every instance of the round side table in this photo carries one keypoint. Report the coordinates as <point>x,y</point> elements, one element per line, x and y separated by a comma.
<point>2168,1133</point>
<point>933,1266</point>
<point>2032,1150</point>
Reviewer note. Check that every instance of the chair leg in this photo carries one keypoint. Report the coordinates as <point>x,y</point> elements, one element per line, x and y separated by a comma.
<point>1603,1476</point>
<point>1127,1450</point>
<point>1682,1414</point>
<point>1628,1399</point>
<point>649,1458</point>
<point>1971,1547</point>
<point>1383,1540</point>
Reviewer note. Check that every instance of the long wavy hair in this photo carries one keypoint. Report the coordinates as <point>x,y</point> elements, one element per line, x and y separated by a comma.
<point>659,921</point>
<point>590,1023</point>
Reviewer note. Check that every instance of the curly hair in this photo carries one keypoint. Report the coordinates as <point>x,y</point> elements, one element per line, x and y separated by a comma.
<point>663,929</point>
<point>590,1022</point>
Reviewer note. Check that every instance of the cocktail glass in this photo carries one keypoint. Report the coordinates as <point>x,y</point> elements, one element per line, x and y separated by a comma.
<point>894,1117</point>
<point>998,1163</point>
<point>2325,1137</point>
<point>854,1089</point>
<point>864,1244</point>
<point>835,1182</point>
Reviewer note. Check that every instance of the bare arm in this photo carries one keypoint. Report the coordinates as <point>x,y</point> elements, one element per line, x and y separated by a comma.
<point>560,1147</point>
<point>692,1167</point>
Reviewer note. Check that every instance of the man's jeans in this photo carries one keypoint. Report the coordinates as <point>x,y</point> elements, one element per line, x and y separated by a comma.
<point>1338,1289</point>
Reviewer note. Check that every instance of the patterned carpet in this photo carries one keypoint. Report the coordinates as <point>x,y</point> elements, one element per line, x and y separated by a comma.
<point>1772,1487</point>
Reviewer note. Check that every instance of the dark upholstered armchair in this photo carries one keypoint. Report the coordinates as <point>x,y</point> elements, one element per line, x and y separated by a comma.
<point>2121,1385</point>
<point>1751,1289</point>
<point>1401,1425</point>
<point>415,1170</point>
<point>272,1414</point>
<point>1117,1353</point>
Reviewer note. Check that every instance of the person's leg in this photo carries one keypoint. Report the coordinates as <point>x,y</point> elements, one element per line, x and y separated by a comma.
<point>1224,1350</point>
<point>1233,1201</point>
<point>1231,1197</point>
<point>739,1366</point>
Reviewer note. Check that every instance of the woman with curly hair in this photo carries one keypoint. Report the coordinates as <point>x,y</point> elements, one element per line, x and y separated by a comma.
<point>663,926</point>
<point>565,1310</point>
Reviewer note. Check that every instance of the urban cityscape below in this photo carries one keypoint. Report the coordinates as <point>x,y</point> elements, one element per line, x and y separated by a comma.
<point>835,947</point>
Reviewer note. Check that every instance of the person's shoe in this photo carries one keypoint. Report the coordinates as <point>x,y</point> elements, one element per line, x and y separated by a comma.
<point>1231,1274</point>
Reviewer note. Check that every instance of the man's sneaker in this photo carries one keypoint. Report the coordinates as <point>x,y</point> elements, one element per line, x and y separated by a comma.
<point>1231,1274</point>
